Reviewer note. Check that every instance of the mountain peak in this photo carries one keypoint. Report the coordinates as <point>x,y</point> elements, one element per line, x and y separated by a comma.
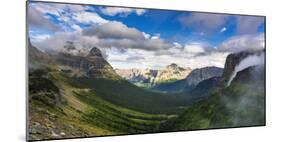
<point>95,52</point>
<point>172,66</point>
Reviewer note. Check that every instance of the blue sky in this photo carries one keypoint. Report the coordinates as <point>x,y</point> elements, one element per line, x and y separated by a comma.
<point>161,34</point>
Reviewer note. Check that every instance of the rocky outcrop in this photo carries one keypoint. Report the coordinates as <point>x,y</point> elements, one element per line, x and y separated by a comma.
<point>95,52</point>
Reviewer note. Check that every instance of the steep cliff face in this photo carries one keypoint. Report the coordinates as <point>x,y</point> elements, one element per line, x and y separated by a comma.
<point>235,58</point>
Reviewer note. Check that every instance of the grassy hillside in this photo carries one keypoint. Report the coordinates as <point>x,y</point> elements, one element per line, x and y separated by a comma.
<point>123,93</point>
<point>58,107</point>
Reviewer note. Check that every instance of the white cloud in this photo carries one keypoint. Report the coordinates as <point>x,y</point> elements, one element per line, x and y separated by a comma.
<point>223,29</point>
<point>89,18</point>
<point>112,11</point>
<point>115,30</point>
<point>203,22</point>
<point>248,24</point>
<point>54,9</point>
<point>36,19</point>
<point>127,47</point>
<point>148,59</point>
<point>146,35</point>
<point>156,36</point>
<point>109,35</point>
<point>194,48</point>
<point>76,27</point>
<point>76,8</point>
<point>208,23</point>
<point>242,42</point>
<point>126,53</point>
<point>177,45</point>
<point>39,16</point>
<point>67,15</point>
<point>40,38</point>
<point>140,11</point>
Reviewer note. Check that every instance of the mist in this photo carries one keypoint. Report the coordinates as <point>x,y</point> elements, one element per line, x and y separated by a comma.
<point>249,61</point>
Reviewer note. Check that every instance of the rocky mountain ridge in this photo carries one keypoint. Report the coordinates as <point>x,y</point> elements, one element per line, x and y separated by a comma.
<point>93,64</point>
<point>152,77</point>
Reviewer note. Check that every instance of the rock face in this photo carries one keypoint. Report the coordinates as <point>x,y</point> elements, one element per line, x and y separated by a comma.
<point>95,52</point>
<point>93,64</point>
<point>193,78</point>
<point>153,77</point>
<point>235,58</point>
<point>201,74</point>
<point>138,75</point>
<point>172,73</point>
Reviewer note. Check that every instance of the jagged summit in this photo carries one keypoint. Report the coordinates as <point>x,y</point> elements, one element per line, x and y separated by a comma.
<point>95,52</point>
<point>150,77</point>
<point>91,65</point>
<point>173,65</point>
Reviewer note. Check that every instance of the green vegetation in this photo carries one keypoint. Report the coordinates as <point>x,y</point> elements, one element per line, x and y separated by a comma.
<point>117,119</point>
<point>78,110</point>
<point>62,105</point>
<point>234,106</point>
<point>123,93</point>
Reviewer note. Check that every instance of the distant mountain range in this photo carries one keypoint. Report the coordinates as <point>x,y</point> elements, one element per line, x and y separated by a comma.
<point>170,79</point>
<point>148,77</point>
